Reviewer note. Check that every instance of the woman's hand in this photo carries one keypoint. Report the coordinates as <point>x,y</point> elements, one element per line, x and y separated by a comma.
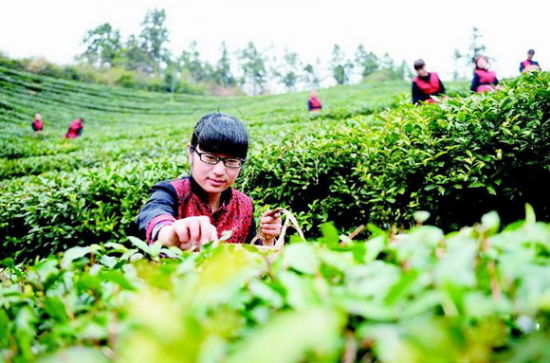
<point>188,233</point>
<point>270,225</point>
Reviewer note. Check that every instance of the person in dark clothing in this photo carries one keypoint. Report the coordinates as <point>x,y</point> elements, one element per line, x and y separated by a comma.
<point>191,211</point>
<point>529,64</point>
<point>37,124</point>
<point>75,129</point>
<point>484,80</point>
<point>314,103</point>
<point>425,84</point>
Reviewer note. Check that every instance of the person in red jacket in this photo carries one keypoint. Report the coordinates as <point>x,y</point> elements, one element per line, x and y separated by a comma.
<point>425,84</point>
<point>188,212</point>
<point>37,124</point>
<point>314,103</point>
<point>529,64</point>
<point>75,128</point>
<point>484,80</point>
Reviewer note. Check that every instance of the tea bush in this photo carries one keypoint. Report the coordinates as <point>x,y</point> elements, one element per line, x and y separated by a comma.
<point>475,295</point>
<point>458,160</point>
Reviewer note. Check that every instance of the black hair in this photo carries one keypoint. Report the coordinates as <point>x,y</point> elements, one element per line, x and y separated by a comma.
<point>419,64</point>
<point>217,132</point>
<point>531,51</point>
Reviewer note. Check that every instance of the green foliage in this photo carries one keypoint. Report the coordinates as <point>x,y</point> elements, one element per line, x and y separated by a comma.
<point>340,66</point>
<point>222,73</point>
<point>253,64</point>
<point>310,78</point>
<point>457,160</point>
<point>476,295</point>
<point>102,45</point>
<point>367,62</point>
<point>479,294</point>
<point>123,73</point>
<point>384,75</point>
<point>287,70</point>
<point>190,62</point>
<point>153,39</point>
<point>144,62</point>
<point>59,193</point>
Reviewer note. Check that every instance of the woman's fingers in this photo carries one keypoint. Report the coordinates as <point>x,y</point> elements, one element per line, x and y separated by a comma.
<point>270,220</point>
<point>271,232</point>
<point>168,236</point>
<point>270,226</point>
<point>265,220</point>
<point>272,213</point>
<point>195,231</point>
<point>180,227</point>
<point>213,233</point>
<point>193,226</point>
<point>207,230</point>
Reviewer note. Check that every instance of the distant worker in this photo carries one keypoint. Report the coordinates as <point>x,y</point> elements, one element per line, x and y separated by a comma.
<point>75,128</point>
<point>314,103</point>
<point>37,124</point>
<point>425,84</point>
<point>529,64</point>
<point>484,80</point>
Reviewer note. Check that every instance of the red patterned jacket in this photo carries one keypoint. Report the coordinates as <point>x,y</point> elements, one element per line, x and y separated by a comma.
<point>181,198</point>
<point>314,104</point>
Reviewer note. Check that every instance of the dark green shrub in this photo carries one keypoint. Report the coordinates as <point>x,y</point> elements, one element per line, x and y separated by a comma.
<point>458,160</point>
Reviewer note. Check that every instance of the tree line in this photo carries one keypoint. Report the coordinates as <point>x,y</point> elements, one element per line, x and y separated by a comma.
<point>251,69</point>
<point>143,61</point>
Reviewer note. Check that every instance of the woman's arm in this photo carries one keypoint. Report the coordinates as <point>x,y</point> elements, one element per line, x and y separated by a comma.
<point>416,96</point>
<point>160,208</point>
<point>475,83</point>
<point>188,233</point>
<point>441,88</point>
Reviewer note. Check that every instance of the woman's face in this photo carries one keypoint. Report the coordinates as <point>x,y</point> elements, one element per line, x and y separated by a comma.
<point>482,63</point>
<point>422,72</point>
<point>214,179</point>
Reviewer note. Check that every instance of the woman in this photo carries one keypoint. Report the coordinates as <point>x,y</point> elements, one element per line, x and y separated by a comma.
<point>425,84</point>
<point>484,80</point>
<point>529,64</point>
<point>189,212</point>
<point>37,124</point>
<point>75,128</point>
<point>314,103</point>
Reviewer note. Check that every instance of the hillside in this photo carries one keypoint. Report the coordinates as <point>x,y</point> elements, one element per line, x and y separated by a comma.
<point>75,285</point>
<point>137,122</point>
<point>352,163</point>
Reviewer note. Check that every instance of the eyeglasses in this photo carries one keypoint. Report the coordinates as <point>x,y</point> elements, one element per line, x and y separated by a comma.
<point>231,163</point>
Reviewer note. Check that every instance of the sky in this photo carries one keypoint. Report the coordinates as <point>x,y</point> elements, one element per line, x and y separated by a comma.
<point>405,29</point>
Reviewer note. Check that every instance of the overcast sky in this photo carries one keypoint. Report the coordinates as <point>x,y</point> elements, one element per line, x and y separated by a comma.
<point>406,29</point>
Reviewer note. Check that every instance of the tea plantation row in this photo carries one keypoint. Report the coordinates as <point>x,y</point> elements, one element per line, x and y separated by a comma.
<point>458,161</point>
<point>480,294</point>
<point>477,295</point>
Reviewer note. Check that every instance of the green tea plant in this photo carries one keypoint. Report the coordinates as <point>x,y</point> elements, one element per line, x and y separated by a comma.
<point>458,160</point>
<point>480,294</point>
